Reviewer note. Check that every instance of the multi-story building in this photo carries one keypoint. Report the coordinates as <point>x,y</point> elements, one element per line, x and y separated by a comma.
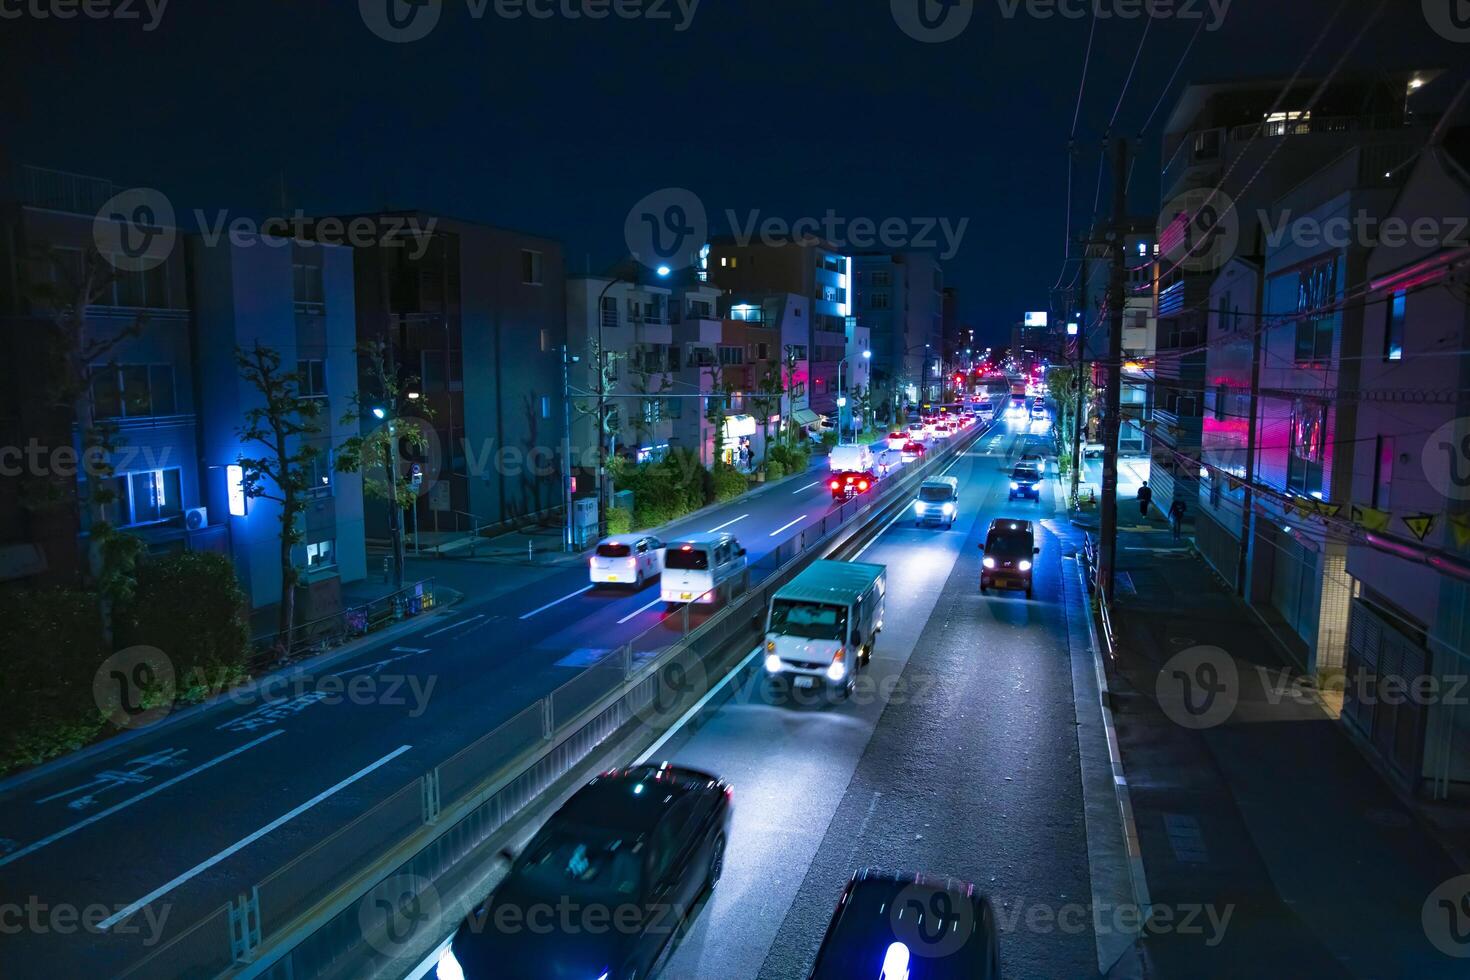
<point>1230,149</point>
<point>478,314</point>
<point>1140,250</point>
<point>900,299</point>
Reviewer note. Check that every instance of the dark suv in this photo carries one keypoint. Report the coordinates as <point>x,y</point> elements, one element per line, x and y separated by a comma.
<point>1010,554</point>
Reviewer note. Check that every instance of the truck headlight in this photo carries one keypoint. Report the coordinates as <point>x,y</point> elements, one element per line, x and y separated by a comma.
<point>1024,566</point>
<point>837,671</point>
<point>948,509</point>
<point>988,562</point>
<point>449,968</point>
<point>773,664</point>
<point>1015,485</point>
<point>920,507</point>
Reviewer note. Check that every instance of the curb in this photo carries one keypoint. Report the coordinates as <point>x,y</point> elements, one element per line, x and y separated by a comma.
<point>52,766</point>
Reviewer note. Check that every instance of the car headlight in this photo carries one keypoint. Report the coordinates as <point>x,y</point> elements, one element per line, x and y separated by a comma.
<point>773,664</point>
<point>1024,566</point>
<point>449,968</point>
<point>837,671</point>
<point>988,562</point>
<point>948,509</point>
<point>1015,485</point>
<point>920,506</point>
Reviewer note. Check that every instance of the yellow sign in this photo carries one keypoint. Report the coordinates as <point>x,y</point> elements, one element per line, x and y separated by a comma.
<point>1420,524</point>
<point>1373,520</point>
<point>1460,524</point>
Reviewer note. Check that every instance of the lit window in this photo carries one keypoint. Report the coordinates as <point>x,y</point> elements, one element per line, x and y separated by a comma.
<point>1393,341</point>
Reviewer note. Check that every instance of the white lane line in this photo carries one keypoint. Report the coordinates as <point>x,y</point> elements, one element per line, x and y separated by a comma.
<point>727,524</point>
<point>787,527</point>
<point>44,841</point>
<point>638,612</point>
<point>454,625</point>
<point>806,488</point>
<point>556,602</point>
<point>208,863</point>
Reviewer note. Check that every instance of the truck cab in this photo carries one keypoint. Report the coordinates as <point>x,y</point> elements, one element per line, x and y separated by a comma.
<point>821,626</point>
<point>938,501</point>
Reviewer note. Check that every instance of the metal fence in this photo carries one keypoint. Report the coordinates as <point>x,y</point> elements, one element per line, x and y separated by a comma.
<point>306,919</point>
<point>322,634</point>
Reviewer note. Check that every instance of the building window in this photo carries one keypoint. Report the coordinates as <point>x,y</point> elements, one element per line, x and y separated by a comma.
<point>1383,472</point>
<point>1393,340</point>
<point>320,554</point>
<point>530,267</point>
<point>1316,292</point>
<point>319,473</point>
<point>883,278</point>
<point>313,375</point>
<point>880,299</point>
<point>1308,448</point>
<point>134,391</point>
<point>1222,392</point>
<point>146,497</point>
<point>307,283</point>
<point>732,355</point>
<point>546,406</point>
<point>545,339</point>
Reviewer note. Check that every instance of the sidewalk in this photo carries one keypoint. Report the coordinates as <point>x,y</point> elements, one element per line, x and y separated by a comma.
<point>1268,812</point>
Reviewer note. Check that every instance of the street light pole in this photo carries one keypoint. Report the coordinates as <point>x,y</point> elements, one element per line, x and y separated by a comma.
<point>395,516</point>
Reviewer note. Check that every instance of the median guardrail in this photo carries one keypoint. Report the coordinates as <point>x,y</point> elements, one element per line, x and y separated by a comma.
<point>316,915</point>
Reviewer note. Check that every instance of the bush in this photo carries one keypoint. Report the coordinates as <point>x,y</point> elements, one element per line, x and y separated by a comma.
<point>53,646</point>
<point>793,459</point>
<point>666,490</point>
<point>829,439</point>
<point>619,520</point>
<point>729,483</point>
<point>191,607</point>
<point>775,471</point>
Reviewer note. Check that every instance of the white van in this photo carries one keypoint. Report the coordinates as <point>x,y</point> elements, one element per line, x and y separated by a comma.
<point>697,566</point>
<point>821,625</point>
<point>939,500</point>
<point>627,559</point>
<point>851,459</point>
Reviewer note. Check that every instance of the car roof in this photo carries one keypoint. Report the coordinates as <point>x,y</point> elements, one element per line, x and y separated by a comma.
<point>634,798</point>
<point>1008,525</point>
<point>1028,467</point>
<point>943,481</point>
<point>701,540</point>
<point>625,538</point>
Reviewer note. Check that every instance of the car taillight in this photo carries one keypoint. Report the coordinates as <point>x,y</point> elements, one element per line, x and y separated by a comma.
<point>863,485</point>
<point>836,485</point>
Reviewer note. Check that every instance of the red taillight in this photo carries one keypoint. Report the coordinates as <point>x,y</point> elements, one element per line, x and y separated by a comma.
<point>836,485</point>
<point>863,485</point>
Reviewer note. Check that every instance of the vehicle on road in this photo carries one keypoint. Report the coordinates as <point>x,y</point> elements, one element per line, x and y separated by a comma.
<point>643,843</point>
<point>913,451</point>
<point>821,625</point>
<point>942,430</point>
<point>1026,482</point>
<point>696,567</point>
<point>850,459</point>
<point>845,486</point>
<point>896,440</point>
<point>1092,450</point>
<point>1033,459</point>
<point>985,411</point>
<point>895,925</point>
<point>916,430</point>
<point>939,499</point>
<point>1038,411</point>
<point>627,559</point>
<point>1010,553</point>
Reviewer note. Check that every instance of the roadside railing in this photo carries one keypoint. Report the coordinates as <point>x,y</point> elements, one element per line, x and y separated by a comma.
<point>327,632</point>
<point>1094,585</point>
<point>312,916</point>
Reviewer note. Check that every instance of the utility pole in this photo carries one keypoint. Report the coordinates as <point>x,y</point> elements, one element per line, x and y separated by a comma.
<point>1250,451</point>
<point>1081,314</point>
<point>566,444</point>
<point>1108,553</point>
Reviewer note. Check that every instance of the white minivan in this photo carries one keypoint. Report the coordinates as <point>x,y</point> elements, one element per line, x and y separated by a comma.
<point>697,566</point>
<point>627,559</point>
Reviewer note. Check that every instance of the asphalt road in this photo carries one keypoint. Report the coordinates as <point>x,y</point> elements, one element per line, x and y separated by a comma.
<point>149,837</point>
<point>969,769</point>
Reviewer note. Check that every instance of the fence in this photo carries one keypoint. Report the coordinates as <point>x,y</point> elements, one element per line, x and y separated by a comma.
<point>306,919</point>
<point>326,632</point>
<point>1094,585</point>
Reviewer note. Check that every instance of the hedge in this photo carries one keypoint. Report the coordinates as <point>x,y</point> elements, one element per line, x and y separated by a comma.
<point>191,607</point>
<point>729,483</point>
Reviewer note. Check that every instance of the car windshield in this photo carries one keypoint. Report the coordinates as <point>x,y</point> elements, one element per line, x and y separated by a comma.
<point>805,619</point>
<point>686,558</point>
<point>573,858</point>
<point>1025,473</point>
<point>1011,545</point>
<point>613,551</point>
<point>936,495</point>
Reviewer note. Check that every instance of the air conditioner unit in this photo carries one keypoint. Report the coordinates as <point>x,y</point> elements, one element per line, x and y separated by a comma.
<point>196,518</point>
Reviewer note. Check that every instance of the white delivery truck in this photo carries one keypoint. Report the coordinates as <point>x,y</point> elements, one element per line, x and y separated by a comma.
<point>851,459</point>
<point>821,625</point>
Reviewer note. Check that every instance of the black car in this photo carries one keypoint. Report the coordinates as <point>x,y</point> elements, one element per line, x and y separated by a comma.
<point>605,885</point>
<point>1010,554</point>
<point>896,925</point>
<point>1026,482</point>
<point>845,486</point>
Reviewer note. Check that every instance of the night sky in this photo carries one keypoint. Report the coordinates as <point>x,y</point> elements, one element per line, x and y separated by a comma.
<point>788,107</point>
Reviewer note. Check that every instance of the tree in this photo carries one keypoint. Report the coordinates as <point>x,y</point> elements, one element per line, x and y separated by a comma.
<point>281,426</point>
<point>80,356</point>
<point>789,388</point>
<point>378,453</point>
<point>650,402</point>
<point>863,399</point>
<point>766,400</point>
<point>714,406</point>
<point>602,365</point>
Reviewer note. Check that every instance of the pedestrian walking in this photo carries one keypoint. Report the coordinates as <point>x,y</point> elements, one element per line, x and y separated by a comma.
<point>1145,497</point>
<point>1176,518</point>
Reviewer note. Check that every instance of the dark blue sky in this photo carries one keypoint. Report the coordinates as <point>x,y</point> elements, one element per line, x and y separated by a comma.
<point>786,107</point>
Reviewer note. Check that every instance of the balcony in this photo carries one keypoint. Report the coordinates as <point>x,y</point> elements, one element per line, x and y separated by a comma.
<point>57,190</point>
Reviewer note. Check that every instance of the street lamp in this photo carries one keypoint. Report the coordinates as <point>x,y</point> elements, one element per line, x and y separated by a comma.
<point>395,519</point>
<point>842,392</point>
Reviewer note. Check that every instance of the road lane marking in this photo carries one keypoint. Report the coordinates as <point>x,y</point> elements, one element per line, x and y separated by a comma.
<point>787,527</point>
<point>637,612</point>
<point>727,524</point>
<point>65,831</point>
<point>556,602</point>
<point>451,626</point>
<point>806,488</point>
<point>244,842</point>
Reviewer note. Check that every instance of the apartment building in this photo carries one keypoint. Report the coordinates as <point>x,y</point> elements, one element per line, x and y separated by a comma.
<point>900,299</point>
